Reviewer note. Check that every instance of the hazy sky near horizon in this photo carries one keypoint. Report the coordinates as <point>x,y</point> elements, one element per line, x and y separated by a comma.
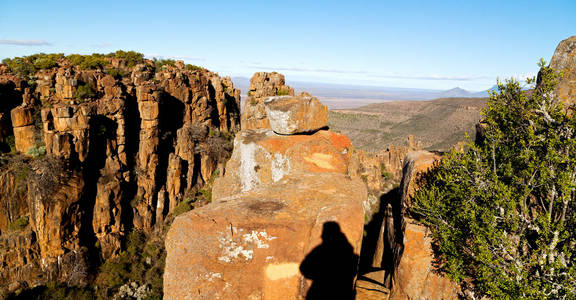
<point>418,44</point>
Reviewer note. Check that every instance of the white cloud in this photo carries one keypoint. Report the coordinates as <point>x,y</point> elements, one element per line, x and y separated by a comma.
<point>25,42</point>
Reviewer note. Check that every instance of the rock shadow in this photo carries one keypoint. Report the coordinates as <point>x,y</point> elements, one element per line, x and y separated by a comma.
<point>332,266</point>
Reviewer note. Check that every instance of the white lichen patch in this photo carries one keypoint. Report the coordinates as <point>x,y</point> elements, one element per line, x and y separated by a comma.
<point>280,167</point>
<point>258,239</point>
<point>212,276</point>
<point>281,121</point>
<point>248,166</point>
<point>242,246</point>
<point>232,250</point>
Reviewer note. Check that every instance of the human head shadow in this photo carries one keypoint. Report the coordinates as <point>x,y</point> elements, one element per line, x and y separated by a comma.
<point>332,266</point>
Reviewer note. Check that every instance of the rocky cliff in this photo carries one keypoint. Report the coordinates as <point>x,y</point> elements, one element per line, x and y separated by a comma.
<point>92,153</point>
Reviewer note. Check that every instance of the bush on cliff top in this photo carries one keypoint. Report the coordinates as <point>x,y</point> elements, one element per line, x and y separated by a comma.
<point>504,213</point>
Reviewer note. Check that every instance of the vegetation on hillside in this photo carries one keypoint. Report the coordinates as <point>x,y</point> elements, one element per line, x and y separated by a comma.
<point>503,214</point>
<point>26,66</point>
<point>439,124</point>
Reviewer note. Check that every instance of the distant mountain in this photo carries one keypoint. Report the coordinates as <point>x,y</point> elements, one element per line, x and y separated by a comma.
<point>339,96</point>
<point>456,93</point>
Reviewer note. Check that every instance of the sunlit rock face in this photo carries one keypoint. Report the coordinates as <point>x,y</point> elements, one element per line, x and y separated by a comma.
<point>564,62</point>
<point>129,150</point>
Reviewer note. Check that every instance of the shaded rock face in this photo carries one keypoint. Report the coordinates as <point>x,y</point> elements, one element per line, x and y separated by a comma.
<point>130,150</point>
<point>564,61</point>
<point>413,274</point>
<point>285,223</point>
<point>262,86</point>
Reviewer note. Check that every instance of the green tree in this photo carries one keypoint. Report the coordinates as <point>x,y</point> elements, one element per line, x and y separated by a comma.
<point>503,213</point>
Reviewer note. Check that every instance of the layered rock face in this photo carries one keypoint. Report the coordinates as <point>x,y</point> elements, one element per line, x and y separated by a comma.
<point>285,223</point>
<point>564,62</point>
<point>129,147</point>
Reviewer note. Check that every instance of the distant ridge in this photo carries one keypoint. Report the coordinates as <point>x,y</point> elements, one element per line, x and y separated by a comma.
<point>341,96</point>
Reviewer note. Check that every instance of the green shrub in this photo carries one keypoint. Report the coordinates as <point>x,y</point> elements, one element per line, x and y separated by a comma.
<point>384,171</point>
<point>160,63</point>
<point>190,67</point>
<point>504,213</point>
<point>132,58</point>
<point>11,142</point>
<point>36,151</point>
<point>18,224</point>
<point>84,92</point>
<point>283,92</point>
<point>116,73</point>
<point>20,66</point>
<point>182,207</point>
<point>142,262</point>
<point>88,62</point>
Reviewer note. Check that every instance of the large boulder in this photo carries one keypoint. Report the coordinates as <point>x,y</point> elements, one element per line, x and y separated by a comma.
<point>264,243</point>
<point>263,157</point>
<point>24,129</point>
<point>301,114</point>
<point>262,85</point>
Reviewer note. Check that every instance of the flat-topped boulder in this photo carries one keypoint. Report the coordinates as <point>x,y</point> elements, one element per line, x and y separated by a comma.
<point>262,157</point>
<point>299,237</point>
<point>299,114</point>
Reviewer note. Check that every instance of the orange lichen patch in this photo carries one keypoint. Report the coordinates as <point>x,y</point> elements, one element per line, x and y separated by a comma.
<point>339,140</point>
<point>282,143</point>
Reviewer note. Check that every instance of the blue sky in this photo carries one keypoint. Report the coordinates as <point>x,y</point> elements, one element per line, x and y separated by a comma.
<point>421,44</point>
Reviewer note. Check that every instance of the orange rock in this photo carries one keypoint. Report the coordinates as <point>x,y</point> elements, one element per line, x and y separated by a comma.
<point>262,157</point>
<point>416,277</point>
<point>22,116</point>
<point>290,115</point>
<point>256,245</point>
<point>262,85</point>
<point>564,61</point>
<point>24,138</point>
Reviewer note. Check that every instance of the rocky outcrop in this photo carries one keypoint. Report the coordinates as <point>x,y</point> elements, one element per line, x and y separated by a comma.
<point>253,245</point>
<point>412,271</point>
<point>290,115</point>
<point>415,275</point>
<point>285,223</point>
<point>564,62</point>
<point>130,147</point>
<point>393,157</point>
<point>262,157</point>
<point>262,85</point>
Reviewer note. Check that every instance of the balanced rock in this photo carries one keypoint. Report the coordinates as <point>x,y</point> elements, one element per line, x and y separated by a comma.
<point>564,62</point>
<point>299,237</point>
<point>262,157</point>
<point>300,114</point>
<point>286,219</point>
<point>262,85</point>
